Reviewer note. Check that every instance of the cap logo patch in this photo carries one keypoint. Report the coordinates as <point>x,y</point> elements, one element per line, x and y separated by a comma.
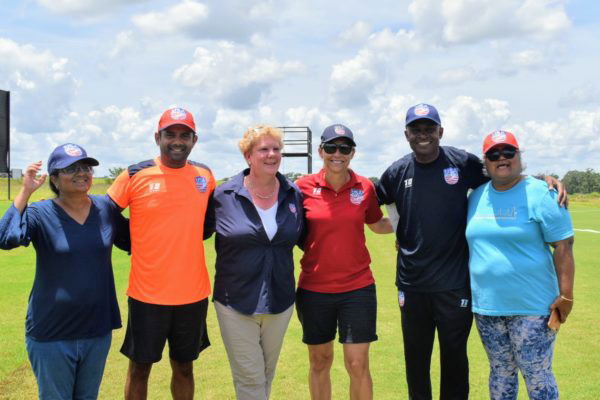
<point>72,150</point>
<point>357,196</point>
<point>421,110</point>
<point>178,114</point>
<point>339,130</point>
<point>201,184</point>
<point>451,176</point>
<point>499,136</point>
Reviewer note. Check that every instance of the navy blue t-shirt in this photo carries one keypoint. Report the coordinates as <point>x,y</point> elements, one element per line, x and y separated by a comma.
<point>431,200</point>
<point>73,294</point>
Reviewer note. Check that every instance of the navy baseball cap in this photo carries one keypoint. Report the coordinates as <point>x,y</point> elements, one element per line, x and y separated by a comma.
<point>335,132</point>
<point>67,154</point>
<point>422,111</point>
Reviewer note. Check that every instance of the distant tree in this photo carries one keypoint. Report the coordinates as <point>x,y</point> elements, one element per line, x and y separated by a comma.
<point>114,172</point>
<point>587,181</point>
<point>293,176</point>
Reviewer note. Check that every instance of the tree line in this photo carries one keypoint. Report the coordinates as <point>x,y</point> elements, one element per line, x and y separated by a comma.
<point>584,182</point>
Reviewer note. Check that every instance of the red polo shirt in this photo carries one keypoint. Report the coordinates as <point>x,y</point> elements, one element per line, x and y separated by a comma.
<point>336,258</point>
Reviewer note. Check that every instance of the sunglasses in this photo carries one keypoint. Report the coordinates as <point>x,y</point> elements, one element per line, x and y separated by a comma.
<point>331,148</point>
<point>75,168</point>
<point>507,152</point>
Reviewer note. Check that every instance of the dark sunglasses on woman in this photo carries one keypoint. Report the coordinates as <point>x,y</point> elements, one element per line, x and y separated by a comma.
<point>507,152</point>
<point>330,148</point>
<point>74,168</point>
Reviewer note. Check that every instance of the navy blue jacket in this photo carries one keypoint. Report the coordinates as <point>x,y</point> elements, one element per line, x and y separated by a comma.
<point>245,256</point>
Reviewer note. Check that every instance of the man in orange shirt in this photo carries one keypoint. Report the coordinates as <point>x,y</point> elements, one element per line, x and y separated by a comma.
<point>168,282</point>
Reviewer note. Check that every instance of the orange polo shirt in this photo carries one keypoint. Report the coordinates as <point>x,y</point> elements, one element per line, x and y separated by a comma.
<point>167,207</point>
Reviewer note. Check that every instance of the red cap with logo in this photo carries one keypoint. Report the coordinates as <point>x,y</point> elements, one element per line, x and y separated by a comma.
<point>497,138</point>
<point>176,116</point>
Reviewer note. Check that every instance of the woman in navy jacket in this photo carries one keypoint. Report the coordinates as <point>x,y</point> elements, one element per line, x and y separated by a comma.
<point>258,220</point>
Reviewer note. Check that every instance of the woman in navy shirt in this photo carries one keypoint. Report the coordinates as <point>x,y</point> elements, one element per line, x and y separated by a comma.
<point>258,220</point>
<point>72,306</point>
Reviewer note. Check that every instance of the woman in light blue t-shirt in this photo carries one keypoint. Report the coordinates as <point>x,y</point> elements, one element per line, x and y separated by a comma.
<point>522,269</point>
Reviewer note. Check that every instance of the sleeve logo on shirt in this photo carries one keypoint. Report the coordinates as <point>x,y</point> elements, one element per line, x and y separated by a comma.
<point>317,191</point>
<point>154,187</point>
<point>464,303</point>
<point>293,208</point>
<point>357,196</point>
<point>201,184</point>
<point>451,176</point>
<point>401,298</point>
<point>408,183</point>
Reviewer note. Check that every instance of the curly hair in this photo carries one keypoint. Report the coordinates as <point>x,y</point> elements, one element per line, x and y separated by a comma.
<point>253,135</point>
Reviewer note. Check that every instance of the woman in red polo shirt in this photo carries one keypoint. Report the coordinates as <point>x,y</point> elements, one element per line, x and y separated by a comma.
<point>336,287</point>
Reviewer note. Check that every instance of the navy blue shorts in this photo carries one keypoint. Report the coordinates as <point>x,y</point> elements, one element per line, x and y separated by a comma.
<point>150,326</point>
<point>353,313</point>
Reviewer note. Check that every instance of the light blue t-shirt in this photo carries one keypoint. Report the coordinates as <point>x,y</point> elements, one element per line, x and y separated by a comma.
<point>511,265</point>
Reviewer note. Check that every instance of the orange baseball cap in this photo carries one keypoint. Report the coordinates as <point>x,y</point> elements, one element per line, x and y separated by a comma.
<point>497,138</point>
<point>176,116</point>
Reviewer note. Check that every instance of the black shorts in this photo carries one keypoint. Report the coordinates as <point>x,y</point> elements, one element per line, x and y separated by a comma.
<point>354,313</point>
<point>149,326</point>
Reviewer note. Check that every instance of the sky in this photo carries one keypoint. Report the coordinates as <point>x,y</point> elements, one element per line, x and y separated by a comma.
<point>99,73</point>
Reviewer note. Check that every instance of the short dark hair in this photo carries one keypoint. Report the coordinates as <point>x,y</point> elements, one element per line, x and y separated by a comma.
<point>52,185</point>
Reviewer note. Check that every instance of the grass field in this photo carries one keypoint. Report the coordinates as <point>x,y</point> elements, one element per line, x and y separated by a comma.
<point>577,354</point>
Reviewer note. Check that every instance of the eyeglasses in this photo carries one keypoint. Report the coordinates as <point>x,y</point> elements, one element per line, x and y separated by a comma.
<point>507,152</point>
<point>75,168</point>
<point>330,148</point>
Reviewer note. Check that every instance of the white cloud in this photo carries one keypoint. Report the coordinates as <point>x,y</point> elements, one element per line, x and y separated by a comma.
<point>123,41</point>
<point>234,74</point>
<point>581,95</point>
<point>235,20</point>
<point>467,21</point>
<point>354,80</point>
<point>84,7</point>
<point>527,58</point>
<point>181,18</point>
<point>357,33</point>
<point>40,82</point>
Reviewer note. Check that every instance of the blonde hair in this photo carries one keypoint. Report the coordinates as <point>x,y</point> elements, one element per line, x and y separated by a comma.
<point>253,135</point>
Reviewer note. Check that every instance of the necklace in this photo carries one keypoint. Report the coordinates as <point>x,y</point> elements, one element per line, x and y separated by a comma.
<point>260,196</point>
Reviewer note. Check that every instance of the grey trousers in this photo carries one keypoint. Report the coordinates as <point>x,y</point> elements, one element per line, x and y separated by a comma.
<point>253,343</point>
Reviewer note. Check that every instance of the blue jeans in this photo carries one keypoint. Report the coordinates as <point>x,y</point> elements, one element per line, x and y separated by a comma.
<point>69,369</point>
<point>519,343</point>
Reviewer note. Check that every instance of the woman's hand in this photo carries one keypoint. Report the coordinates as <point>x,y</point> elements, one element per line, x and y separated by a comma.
<point>553,183</point>
<point>31,183</point>
<point>564,307</point>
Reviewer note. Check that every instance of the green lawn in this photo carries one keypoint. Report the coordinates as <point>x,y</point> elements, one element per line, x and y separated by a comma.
<point>577,354</point>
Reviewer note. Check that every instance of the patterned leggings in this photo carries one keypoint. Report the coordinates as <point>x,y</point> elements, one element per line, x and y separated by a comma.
<point>516,343</point>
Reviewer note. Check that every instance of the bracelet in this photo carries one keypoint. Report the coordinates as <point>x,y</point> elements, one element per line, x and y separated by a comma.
<point>564,298</point>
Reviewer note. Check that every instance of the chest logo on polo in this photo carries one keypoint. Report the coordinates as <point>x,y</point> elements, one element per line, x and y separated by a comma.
<point>451,176</point>
<point>201,183</point>
<point>154,187</point>
<point>357,196</point>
